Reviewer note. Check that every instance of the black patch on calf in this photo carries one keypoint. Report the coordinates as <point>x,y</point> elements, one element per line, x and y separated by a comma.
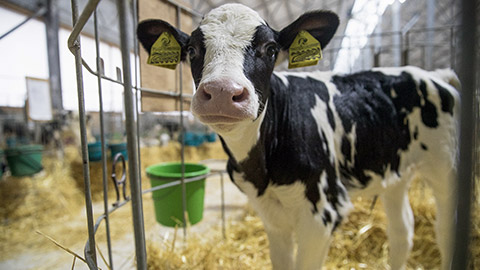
<point>366,102</point>
<point>346,148</point>
<point>197,61</point>
<point>423,146</point>
<point>428,110</point>
<point>326,217</point>
<point>446,98</point>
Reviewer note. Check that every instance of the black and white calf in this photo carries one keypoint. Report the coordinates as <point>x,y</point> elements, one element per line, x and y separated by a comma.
<point>301,145</point>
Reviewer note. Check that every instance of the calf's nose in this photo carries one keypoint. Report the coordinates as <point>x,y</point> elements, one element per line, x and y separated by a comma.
<point>225,92</point>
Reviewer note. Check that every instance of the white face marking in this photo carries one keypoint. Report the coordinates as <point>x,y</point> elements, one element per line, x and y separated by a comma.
<point>228,30</point>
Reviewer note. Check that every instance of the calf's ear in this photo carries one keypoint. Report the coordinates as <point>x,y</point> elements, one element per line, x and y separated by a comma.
<point>320,24</point>
<point>148,32</point>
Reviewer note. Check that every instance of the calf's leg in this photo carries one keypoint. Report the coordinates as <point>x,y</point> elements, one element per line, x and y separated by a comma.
<point>313,237</point>
<point>400,228</point>
<point>443,187</point>
<point>281,248</point>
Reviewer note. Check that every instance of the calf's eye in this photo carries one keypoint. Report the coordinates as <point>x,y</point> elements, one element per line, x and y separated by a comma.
<point>191,52</point>
<point>271,50</point>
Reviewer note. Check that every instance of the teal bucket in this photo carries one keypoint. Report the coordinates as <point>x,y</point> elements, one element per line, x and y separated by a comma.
<point>24,160</point>
<point>168,201</point>
<point>118,148</point>
<point>95,151</point>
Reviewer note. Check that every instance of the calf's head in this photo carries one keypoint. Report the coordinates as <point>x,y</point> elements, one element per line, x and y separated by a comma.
<point>232,55</point>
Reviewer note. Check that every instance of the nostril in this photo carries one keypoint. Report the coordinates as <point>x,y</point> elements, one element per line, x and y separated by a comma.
<point>203,94</point>
<point>206,96</point>
<point>240,97</point>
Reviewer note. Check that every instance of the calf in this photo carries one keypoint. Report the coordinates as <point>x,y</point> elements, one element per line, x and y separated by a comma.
<point>301,145</point>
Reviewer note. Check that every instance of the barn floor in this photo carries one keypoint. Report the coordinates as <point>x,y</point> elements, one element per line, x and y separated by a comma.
<point>43,254</point>
<point>51,204</point>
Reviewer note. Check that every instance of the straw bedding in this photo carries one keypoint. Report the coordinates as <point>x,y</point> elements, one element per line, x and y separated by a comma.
<point>51,202</point>
<point>359,243</point>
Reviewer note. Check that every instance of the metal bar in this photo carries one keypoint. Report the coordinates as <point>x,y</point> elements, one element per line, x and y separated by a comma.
<point>430,34</point>
<point>452,48</point>
<point>87,12</point>
<point>40,12</point>
<point>90,251</point>
<point>179,182</point>
<point>52,27</point>
<point>132,146</point>
<point>81,21</point>
<point>78,26</point>
<point>182,136</point>
<point>407,48</point>
<point>465,170</point>
<point>103,140</point>
<point>137,91</point>
<point>391,33</point>
<point>164,93</point>
<point>167,185</point>
<point>224,233</point>
<point>186,9</point>
<point>396,20</point>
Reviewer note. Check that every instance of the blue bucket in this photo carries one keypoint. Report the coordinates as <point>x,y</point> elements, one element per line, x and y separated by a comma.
<point>211,137</point>
<point>118,148</point>
<point>193,139</point>
<point>95,151</point>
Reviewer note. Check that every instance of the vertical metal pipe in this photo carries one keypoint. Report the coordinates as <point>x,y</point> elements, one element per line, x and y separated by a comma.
<point>103,140</point>
<point>137,92</point>
<point>452,47</point>
<point>182,134</point>
<point>400,48</point>
<point>132,146</point>
<point>396,21</point>
<point>377,39</point>
<point>407,48</point>
<point>428,49</point>
<point>224,233</point>
<point>465,169</point>
<point>90,252</point>
<point>52,26</point>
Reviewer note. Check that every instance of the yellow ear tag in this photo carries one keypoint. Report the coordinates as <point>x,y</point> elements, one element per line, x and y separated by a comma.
<point>305,51</point>
<point>165,52</point>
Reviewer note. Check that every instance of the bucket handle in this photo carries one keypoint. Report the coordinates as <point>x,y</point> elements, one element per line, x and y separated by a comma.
<point>122,181</point>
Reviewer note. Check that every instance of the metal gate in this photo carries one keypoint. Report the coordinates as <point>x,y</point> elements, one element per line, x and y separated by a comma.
<point>131,93</point>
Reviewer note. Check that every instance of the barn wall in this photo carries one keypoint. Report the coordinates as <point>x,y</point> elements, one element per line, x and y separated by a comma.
<point>158,78</point>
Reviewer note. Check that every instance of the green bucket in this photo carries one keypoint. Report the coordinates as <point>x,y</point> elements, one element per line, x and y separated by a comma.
<point>24,160</point>
<point>168,201</point>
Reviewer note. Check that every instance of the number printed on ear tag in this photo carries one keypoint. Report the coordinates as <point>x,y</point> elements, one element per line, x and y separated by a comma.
<point>304,51</point>
<point>165,52</point>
